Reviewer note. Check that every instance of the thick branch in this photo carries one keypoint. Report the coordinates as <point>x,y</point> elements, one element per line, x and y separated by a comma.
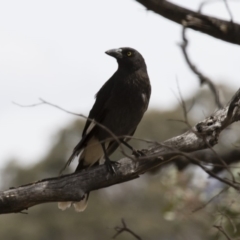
<point>72,187</point>
<point>215,27</point>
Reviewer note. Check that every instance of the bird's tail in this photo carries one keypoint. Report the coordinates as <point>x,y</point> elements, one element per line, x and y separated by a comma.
<point>74,154</point>
<point>76,151</point>
<point>79,206</point>
<point>89,156</point>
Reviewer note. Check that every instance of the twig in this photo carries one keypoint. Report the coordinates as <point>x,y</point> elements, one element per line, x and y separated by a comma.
<point>224,164</point>
<point>220,229</point>
<point>185,112</point>
<point>228,10</point>
<point>210,200</point>
<point>182,102</point>
<point>203,3</point>
<point>208,171</point>
<point>203,79</point>
<point>224,214</point>
<point>116,138</point>
<point>124,228</point>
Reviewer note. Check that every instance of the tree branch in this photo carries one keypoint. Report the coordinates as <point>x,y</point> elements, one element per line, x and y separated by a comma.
<point>73,186</point>
<point>220,229</point>
<point>203,79</point>
<point>215,27</point>
<point>124,228</point>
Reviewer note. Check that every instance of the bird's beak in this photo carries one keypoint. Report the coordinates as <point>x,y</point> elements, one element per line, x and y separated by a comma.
<point>116,53</point>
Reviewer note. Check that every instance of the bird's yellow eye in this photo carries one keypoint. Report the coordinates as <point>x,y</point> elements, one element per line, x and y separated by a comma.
<point>129,53</point>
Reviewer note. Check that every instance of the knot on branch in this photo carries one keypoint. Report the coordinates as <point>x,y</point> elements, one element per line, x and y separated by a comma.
<point>210,128</point>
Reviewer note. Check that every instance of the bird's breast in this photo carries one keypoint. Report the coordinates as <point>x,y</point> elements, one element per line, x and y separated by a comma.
<point>132,94</point>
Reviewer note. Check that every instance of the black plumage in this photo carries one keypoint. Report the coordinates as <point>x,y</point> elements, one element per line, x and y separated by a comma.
<point>119,106</point>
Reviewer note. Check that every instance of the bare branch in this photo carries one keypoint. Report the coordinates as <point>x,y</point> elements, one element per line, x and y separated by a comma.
<point>182,102</point>
<point>228,10</point>
<point>215,27</point>
<point>225,215</point>
<point>203,3</point>
<point>224,164</point>
<point>220,229</point>
<point>43,102</point>
<point>203,79</point>
<point>116,138</point>
<point>228,158</point>
<point>124,228</point>
<point>210,200</point>
<point>73,186</point>
<point>207,170</point>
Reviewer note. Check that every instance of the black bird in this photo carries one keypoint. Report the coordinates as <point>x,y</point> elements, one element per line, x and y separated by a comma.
<point>119,106</point>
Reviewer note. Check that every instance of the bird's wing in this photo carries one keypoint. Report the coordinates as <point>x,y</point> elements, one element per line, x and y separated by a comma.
<point>98,110</point>
<point>97,113</point>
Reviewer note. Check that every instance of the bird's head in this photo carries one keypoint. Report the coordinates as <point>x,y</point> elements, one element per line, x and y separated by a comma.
<point>127,58</point>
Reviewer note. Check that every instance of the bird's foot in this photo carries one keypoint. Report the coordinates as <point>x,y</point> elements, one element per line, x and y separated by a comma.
<point>111,166</point>
<point>138,153</point>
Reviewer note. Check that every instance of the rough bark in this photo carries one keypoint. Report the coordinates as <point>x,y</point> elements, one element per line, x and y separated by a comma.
<point>72,187</point>
<point>225,30</point>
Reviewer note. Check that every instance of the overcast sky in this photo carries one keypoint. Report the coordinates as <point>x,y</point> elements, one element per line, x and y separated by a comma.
<point>54,49</point>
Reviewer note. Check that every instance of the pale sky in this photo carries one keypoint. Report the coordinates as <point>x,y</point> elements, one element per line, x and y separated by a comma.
<point>55,50</point>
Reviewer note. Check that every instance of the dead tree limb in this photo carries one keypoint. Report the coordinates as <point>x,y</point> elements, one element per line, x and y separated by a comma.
<point>215,27</point>
<point>72,187</point>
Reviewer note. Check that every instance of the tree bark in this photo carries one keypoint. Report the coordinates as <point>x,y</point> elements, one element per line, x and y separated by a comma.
<point>225,30</point>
